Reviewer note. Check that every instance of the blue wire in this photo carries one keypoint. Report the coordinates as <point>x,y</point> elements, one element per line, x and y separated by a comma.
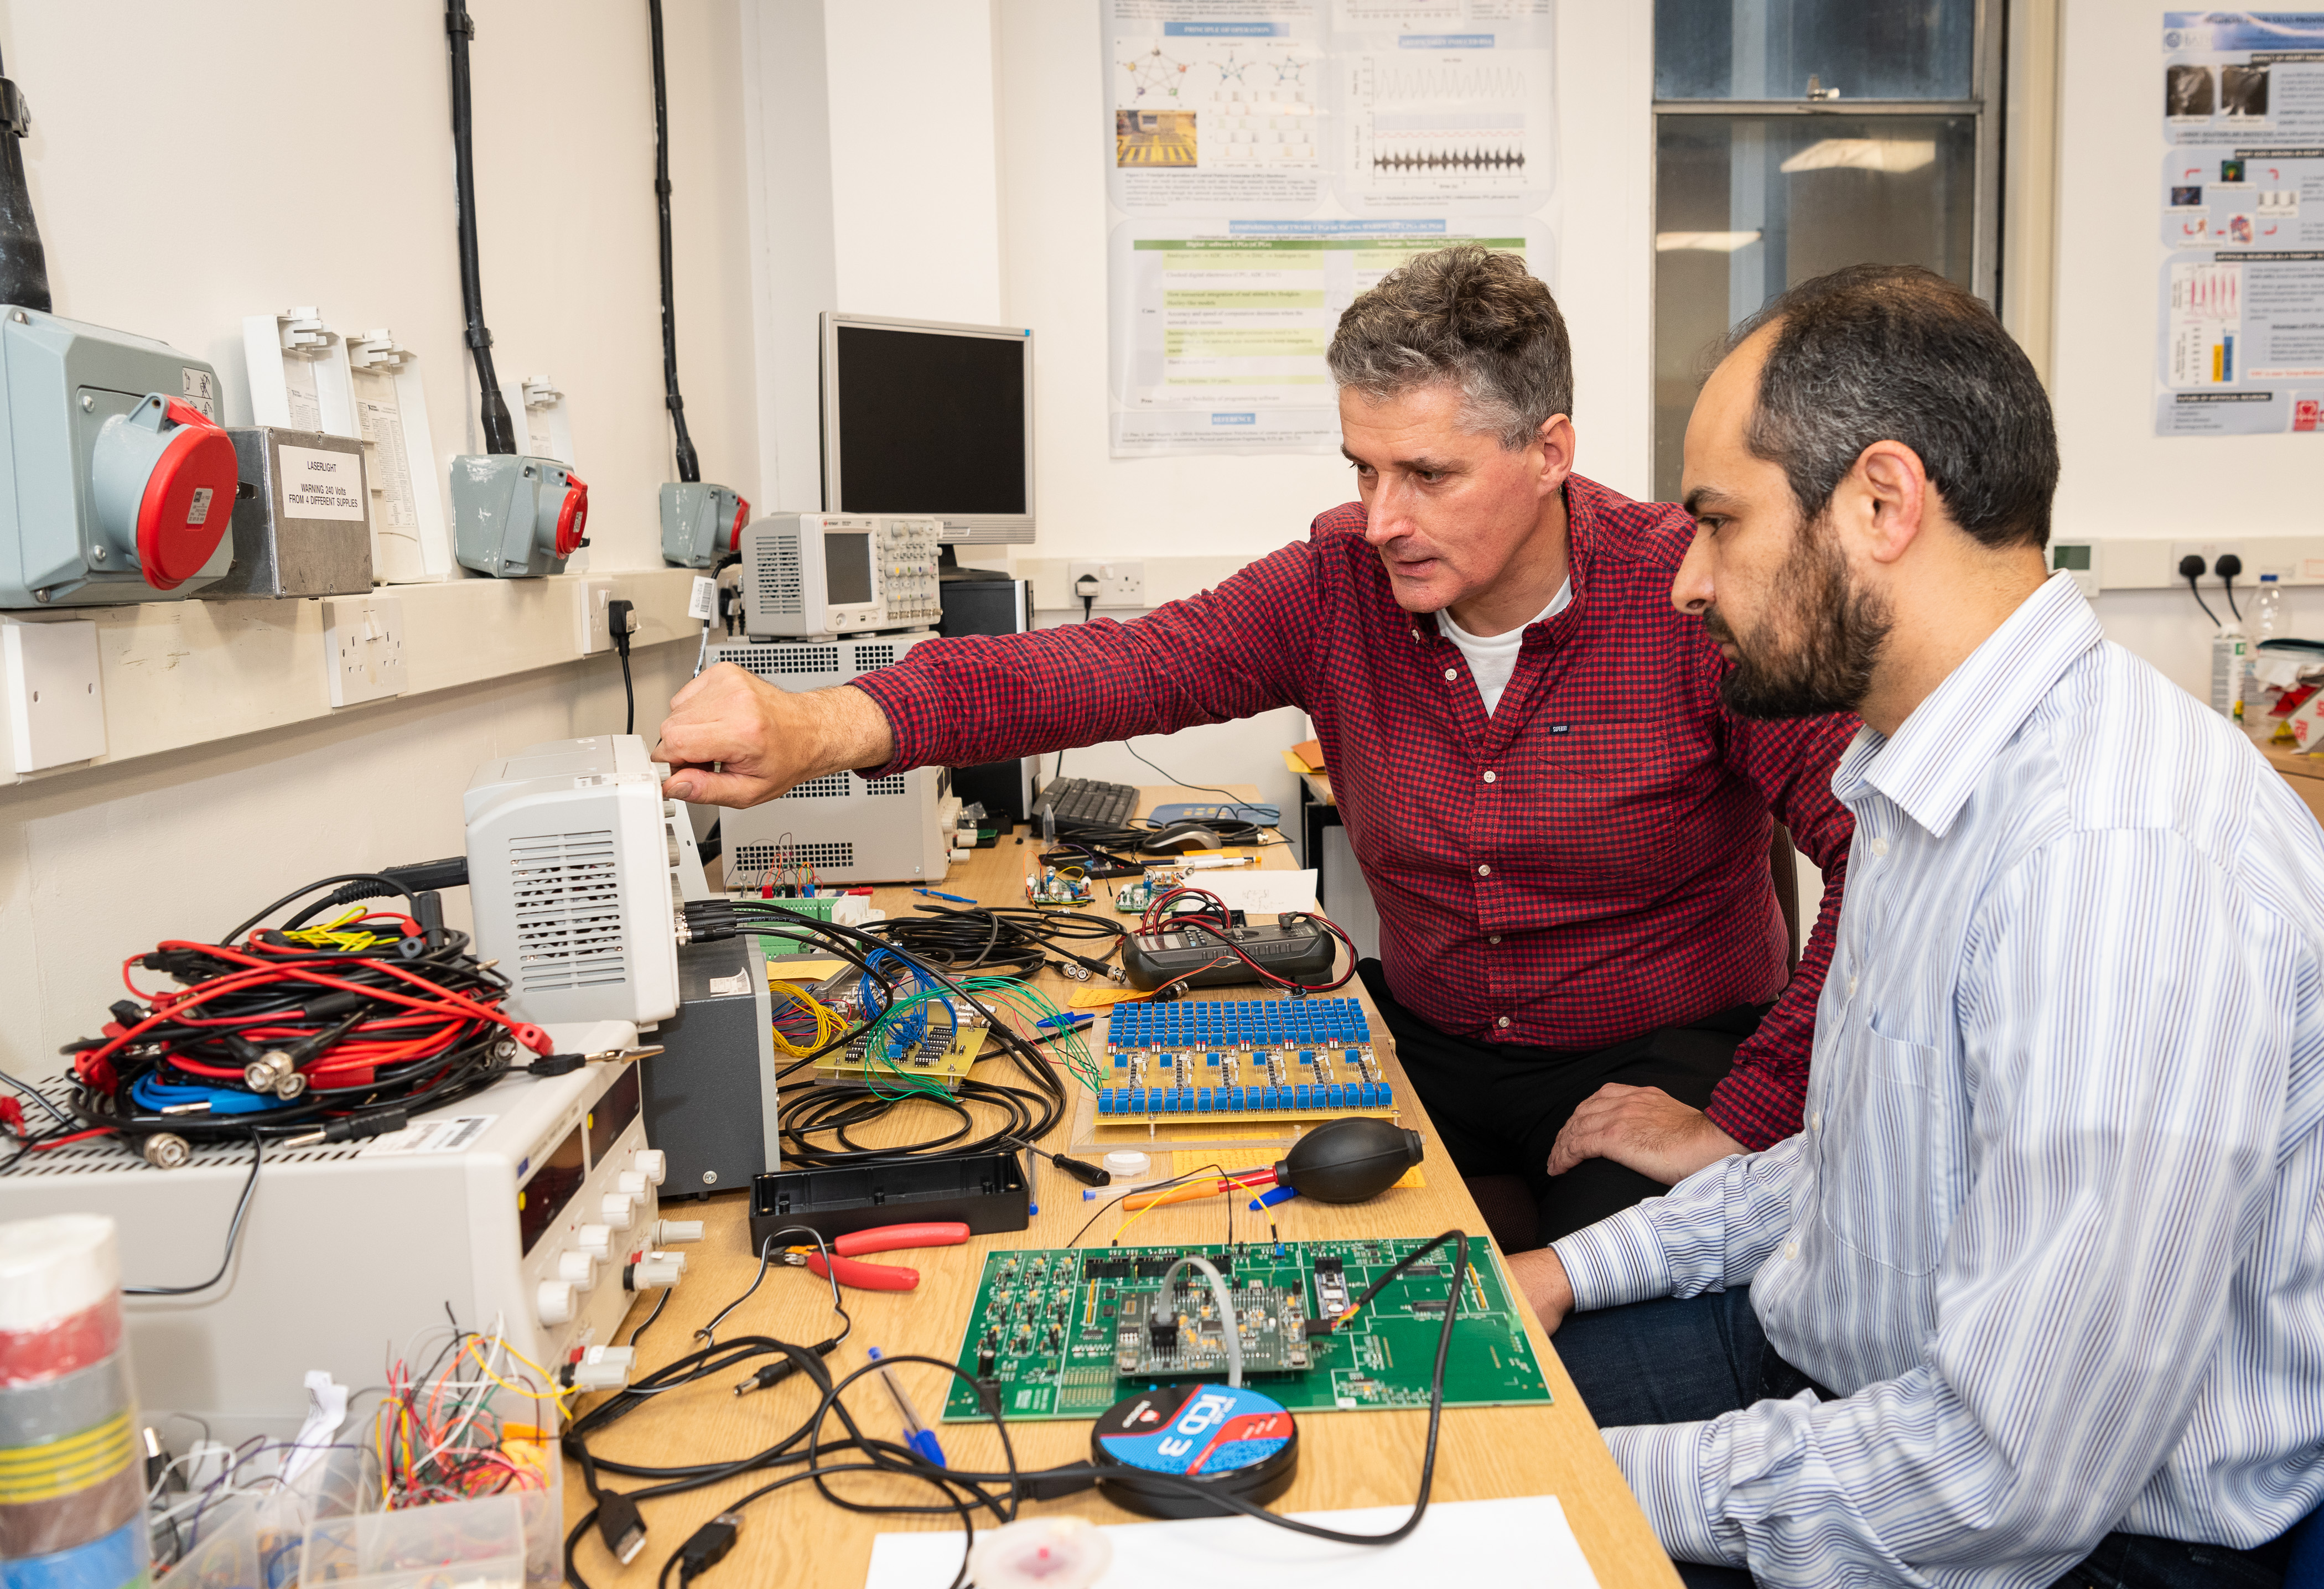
<point>157,1095</point>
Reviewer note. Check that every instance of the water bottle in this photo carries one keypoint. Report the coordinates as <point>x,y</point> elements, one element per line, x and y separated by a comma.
<point>2229,652</point>
<point>2266,622</point>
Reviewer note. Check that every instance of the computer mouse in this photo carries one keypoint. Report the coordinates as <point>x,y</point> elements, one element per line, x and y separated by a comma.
<point>1180,837</point>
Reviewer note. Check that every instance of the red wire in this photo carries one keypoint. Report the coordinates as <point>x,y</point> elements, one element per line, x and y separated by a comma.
<point>79,1136</point>
<point>95,1064</point>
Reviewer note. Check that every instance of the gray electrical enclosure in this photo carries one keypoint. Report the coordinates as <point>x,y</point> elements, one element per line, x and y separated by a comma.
<point>516,517</point>
<point>302,519</point>
<point>700,522</point>
<point>116,483</point>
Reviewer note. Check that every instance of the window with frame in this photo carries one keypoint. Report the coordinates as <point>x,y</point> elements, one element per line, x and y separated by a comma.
<point>1792,137</point>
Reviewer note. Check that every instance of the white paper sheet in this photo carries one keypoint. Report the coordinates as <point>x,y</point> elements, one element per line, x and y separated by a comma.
<point>1264,892</point>
<point>1520,1542</point>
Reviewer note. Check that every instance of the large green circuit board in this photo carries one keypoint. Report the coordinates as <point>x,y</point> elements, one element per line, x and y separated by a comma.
<point>1047,1326</point>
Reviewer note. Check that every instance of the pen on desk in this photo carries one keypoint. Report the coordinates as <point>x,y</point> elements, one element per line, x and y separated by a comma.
<point>938,894</point>
<point>917,1433</point>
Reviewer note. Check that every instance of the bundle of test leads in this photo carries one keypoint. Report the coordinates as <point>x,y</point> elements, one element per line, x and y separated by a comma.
<point>297,1034</point>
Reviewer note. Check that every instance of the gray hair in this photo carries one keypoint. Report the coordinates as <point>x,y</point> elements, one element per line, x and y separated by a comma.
<point>1467,317</point>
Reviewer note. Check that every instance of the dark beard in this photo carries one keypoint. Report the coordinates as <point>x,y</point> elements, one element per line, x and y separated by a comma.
<point>1841,630</point>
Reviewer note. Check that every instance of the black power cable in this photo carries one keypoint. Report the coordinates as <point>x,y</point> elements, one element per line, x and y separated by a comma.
<point>232,1232</point>
<point>2191,568</point>
<point>1014,942</point>
<point>964,1492</point>
<point>689,467</point>
<point>620,616</point>
<point>500,429</point>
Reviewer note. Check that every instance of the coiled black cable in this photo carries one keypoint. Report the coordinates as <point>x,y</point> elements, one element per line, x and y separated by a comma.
<point>1011,941</point>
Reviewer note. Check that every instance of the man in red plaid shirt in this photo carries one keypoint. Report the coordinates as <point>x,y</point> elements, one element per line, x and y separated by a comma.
<point>1564,829</point>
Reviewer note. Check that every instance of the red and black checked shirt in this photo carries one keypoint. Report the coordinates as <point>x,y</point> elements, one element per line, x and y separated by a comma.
<point>1586,864</point>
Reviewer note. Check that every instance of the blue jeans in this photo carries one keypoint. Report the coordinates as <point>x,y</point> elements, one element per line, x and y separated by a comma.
<point>1677,1362</point>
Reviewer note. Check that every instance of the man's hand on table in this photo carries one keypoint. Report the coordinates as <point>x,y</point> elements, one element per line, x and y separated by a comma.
<point>1541,1276</point>
<point>732,739</point>
<point>1644,1129</point>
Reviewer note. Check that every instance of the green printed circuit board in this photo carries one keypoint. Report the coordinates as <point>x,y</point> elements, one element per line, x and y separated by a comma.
<point>1065,1333</point>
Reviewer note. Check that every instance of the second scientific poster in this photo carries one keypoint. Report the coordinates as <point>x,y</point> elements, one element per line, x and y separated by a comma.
<point>1269,162</point>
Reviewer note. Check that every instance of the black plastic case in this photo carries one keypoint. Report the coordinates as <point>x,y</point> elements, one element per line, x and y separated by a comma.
<point>984,1191</point>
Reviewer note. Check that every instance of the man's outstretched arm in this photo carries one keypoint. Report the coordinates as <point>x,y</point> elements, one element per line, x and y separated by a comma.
<point>1230,653</point>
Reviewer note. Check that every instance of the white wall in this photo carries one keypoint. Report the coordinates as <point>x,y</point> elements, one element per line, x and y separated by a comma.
<point>193,164</point>
<point>915,197</point>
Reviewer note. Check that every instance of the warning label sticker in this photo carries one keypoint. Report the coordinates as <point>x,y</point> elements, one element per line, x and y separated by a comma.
<point>319,485</point>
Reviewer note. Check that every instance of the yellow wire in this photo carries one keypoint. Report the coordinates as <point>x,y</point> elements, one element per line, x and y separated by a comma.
<point>556,1392</point>
<point>1227,1186</point>
<point>1134,1218</point>
<point>828,1023</point>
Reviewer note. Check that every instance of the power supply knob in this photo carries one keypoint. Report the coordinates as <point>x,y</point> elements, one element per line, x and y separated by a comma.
<point>579,1267</point>
<point>617,1210</point>
<point>554,1302</point>
<point>650,1163</point>
<point>595,1239</point>
<point>631,1182</point>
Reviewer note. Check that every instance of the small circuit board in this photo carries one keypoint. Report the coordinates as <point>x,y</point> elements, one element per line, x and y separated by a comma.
<point>1244,1059</point>
<point>941,1059</point>
<point>1057,885</point>
<point>1189,1338</point>
<point>1132,898</point>
<point>1066,1333</point>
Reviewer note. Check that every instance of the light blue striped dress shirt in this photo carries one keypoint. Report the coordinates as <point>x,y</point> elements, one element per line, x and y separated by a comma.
<point>2055,1229</point>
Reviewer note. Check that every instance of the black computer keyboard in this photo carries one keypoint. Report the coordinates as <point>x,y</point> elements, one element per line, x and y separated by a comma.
<point>1083,804</point>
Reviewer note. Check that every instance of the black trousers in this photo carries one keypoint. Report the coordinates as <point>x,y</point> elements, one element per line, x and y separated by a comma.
<point>1500,1107</point>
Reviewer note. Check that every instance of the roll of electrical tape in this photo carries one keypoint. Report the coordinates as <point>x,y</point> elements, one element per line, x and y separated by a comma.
<point>117,1561</point>
<point>69,1470</point>
<point>1160,1450</point>
<point>63,1492</point>
<point>50,1410</point>
<point>59,1296</point>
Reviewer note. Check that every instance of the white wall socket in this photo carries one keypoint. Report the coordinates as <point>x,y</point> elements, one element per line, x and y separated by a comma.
<point>363,647</point>
<point>55,705</point>
<point>2210,551</point>
<point>1119,585</point>
<point>591,631</point>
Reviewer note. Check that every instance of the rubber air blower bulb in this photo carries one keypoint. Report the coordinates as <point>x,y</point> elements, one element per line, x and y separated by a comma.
<point>1349,1161</point>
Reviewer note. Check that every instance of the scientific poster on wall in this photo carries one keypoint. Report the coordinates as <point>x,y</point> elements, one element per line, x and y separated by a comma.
<point>1267,162</point>
<point>2240,336</point>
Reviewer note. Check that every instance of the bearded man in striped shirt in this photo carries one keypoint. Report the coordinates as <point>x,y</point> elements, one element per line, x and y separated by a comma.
<point>2037,1296</point>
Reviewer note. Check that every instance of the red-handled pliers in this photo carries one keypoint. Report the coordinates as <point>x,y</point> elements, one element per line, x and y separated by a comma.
<point>886,1238</point>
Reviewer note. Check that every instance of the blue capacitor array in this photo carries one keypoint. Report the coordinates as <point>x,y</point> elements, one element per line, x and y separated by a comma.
<point>1322,1033</point>
<point>1240,1024</point>
<point>1371,1094</point>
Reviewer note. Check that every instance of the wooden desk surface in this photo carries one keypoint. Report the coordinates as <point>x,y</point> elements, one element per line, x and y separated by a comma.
<point>1350,1459</point>
<point>1319,784</point>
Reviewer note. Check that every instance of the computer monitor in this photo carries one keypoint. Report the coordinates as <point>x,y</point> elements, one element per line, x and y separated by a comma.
<point>925,419</point>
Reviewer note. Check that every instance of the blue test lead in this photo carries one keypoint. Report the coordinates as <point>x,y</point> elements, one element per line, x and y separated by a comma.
<point>1269,1198</point>
<point>917,1433</point>
<point>939,894</point>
